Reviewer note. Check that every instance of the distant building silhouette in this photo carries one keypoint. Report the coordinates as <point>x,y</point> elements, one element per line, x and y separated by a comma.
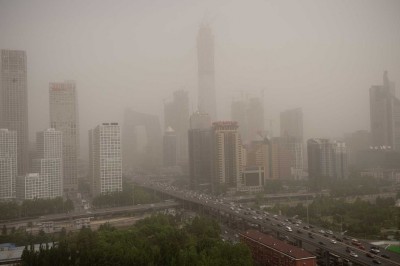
<point>207,102</point>
<point>249,114</point>
<point>176,116</point>
<point>326,159</point>
<point>200,152</point>
<point>14,102</point>
<point>142,141</point>
<point>291,122</point>
<point>170,148</point>
<point>105,158</point>
<point>64,117</point>
<point>385,115</point>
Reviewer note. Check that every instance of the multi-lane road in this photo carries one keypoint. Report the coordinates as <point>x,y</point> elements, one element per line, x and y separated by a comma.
<point>346,248</point>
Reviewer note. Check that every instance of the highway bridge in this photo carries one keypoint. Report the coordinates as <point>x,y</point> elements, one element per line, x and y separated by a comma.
<point>333,248</point>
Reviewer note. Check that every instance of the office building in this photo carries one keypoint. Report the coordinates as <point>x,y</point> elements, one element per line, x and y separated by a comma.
<point>142,142</point>
<point>64,118</point>
<point>176,116</point>
<point>200,152</point>
<point>49,164</point>
<point>228,155</point>
<point>32,186</point>
<point>170,148</point>
<point>291,122</point>
<point>8,164</point>
<point>267,250</point>
<point>14,102</point>
<point>249,114</point>
<point>385,115</point>
<point>326,159</point>
<point>105,159</point>
<point>356,142</point>
<point>207,102</point>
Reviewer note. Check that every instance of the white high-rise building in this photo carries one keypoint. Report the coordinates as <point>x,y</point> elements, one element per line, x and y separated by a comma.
<point>14,102</point>
<point>64,118</point>
<point>8,164</point>
<point>32,186</point>
<point>105,159</point>
<point>49,161</point>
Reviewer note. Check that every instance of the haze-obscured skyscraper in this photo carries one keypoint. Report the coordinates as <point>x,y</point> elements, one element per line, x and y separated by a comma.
<point>170,148</point>
<point>228,155</point>
<point>105,158</point>
<point>249,114</point>
<point>176,116</point>
<point>206,72</point>
<point>14,102</point>
<point>200,152</point>
<point>291,122</point>
<point>8,164</point>
<point>48,163</point>
<point>385,115</point>
<point>64,117</point>
<point>142,142</point>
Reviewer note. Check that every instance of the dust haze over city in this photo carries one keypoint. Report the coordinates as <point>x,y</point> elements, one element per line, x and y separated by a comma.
<point>247,128</point>
<point>318,55</point>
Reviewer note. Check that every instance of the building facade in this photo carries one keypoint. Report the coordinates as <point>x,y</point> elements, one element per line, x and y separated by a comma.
<point>8,164</point>
<point>64,117</point>
<point>176,116</point>
<point>105,158</point>
<point>32,186</point>
<point>14,102</point>
<point>200,152</point>
<point>170,151</point>
<point>227,155</point>
<point>385,115</point>
<point>207,102</point>
<point>49,163</point>
<point>291,123</point>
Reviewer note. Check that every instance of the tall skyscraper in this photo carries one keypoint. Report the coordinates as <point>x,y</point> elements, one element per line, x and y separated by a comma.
<point>291,122</point>
<point>14,102</point>
<point>200,151</point>
<point>385,115</point>
<point>176,116</point>
<point>49,160</point>
<point>228,155</point>
<point>249,114</point>
<point>170,148</point>
<point>142,142</point>
<point>8,164</point>
<point>206,72</point>
<point>64,117</point>
<point>105,158</point>
<point>326,159</point>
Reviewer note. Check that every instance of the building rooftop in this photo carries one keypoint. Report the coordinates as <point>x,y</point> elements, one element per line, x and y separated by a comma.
<point>278,245</point>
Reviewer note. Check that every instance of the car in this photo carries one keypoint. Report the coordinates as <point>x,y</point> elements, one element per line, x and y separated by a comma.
<point>329,232</point>
<point>385,256</point>
<point>306,227</point>
<point>348,249</point>
<point>346,238</point>
<point>310,235</point>
<point>375,251</point>
<point>353,254</point>
<point>322,231</point>
<point>288,229</point>
<point>369,255</point>
<point>333,241</point>
<point>266,218</point>
<point>376,261</point>
<point>321,243</point>
<point>299,231</point>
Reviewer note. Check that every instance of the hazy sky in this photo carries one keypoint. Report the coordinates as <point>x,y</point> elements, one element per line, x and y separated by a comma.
<point>319,55</point>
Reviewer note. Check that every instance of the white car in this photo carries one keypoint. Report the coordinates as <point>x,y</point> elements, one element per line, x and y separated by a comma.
<point>289,229</point>
<point>353,254</point>
<point>333,241</point>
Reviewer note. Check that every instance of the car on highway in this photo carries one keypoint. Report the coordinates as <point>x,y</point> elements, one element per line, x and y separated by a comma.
<point>369,255</point>
<point>321,243</point>
<point>385,256</point>
<point>353,254</point>
<point>289,229</point>
<point>376,261</point>
<point>333,241</point>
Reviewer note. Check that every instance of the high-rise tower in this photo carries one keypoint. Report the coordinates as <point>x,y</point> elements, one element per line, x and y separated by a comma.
<point>64,118</point>
<point>105,158</point>
<point>14,102</point>
<point>206,72</point>
<point>8,163</point>
<point>385,115</point>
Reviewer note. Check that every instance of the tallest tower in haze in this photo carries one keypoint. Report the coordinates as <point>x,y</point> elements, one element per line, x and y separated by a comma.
<point>206,72</point>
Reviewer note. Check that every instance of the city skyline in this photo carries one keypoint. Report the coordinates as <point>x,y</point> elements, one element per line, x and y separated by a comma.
<point>274,62</point>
